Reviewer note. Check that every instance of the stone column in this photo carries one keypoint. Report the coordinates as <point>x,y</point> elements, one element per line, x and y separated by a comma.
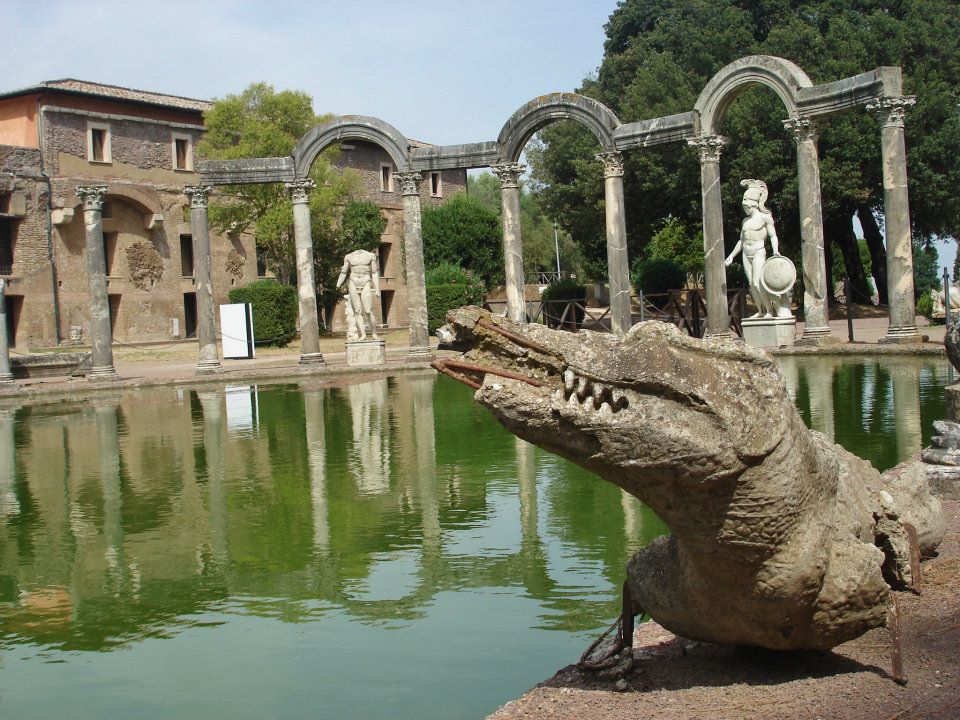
<point>306,287</point>
<point>413,259</point>
<point>715,273</point>
<point>815,279</point>
<point>203,278</point>
<point>618,264</point>
<point>101,333</point>
<point>509,174</point>
<point>896,213</point>
<point>6,377</point>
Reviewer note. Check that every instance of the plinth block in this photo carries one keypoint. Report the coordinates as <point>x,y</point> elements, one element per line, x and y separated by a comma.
<point>769,332</point>
<point>366,352</point>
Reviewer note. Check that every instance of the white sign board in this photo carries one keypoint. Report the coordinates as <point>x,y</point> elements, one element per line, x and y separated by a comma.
<point>236,330</point>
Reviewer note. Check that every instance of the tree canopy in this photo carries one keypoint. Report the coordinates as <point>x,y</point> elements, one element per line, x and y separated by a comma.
<point>464,232</point>
<point>658,56</point>
<point>260,122</point>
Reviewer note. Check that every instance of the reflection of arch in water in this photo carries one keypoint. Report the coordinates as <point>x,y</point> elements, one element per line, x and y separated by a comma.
<point>9,504</point>
<point>370,449</point>
<point>317,463</point>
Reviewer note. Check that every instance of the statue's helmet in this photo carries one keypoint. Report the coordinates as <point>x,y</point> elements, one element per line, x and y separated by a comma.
<point>755,194</point>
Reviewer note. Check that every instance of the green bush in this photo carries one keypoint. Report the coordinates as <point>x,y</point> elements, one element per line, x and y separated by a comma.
<point>925,306</point>
<point>275,308</point>
<point>449,286</point>
<point>555,298</point>
<point>657,276</point>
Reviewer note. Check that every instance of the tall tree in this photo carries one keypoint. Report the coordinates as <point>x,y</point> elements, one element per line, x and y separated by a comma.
<point>658,56</point>
<point>260,122</point>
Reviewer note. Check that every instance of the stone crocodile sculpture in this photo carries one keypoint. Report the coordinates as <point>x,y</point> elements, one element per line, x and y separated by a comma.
<point>780,538</point>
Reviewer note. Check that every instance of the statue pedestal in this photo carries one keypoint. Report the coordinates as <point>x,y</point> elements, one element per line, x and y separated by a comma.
<point>366,352</point>
<point>769,332</point>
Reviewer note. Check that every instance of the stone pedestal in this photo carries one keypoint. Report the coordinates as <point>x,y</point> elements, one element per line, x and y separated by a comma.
<point>770,332</point>
<point>366,352</point>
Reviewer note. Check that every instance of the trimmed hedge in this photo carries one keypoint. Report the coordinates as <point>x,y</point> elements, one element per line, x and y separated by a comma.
<point>555,298</point>
<point>275,309</point>
<point>443,298</point>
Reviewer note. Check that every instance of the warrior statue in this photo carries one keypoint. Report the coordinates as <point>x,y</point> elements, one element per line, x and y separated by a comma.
<point>757,227</point>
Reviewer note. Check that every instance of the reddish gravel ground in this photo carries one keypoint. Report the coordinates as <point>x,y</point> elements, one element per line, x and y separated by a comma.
<point>674,679</point>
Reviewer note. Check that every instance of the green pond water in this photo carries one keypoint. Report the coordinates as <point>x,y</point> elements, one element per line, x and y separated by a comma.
<point>380,550</point>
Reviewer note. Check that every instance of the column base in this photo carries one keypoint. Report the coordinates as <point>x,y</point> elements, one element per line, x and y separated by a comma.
<point>208,367</point>
<point>724,336</point>
<point>104,373</point>
<point>314,360</point>
<point>419,354</point>
<point>900,335</point>
<point>817,337</point>
<point>7,379</point>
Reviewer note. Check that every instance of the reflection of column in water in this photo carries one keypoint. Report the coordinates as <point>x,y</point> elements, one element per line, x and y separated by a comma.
<point>9,505</point>
<point>906,408</point>
<point>632,520</point>
<point>317,461</point>
<point>820,387</point>
<point>108,446</point>
<point>527,477</point>
<point>787,365</point>
<point>370,456</point>
<point>421,391</point>
<point>212,404</point>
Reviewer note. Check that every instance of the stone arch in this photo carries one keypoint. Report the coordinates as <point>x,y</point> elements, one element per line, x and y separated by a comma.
<point>145,200</point>
<point>782,76</point>
<point>549,108</point>
<point>351,127</point>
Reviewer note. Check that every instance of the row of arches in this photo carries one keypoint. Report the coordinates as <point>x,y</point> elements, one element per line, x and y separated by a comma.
<point>807,105</point>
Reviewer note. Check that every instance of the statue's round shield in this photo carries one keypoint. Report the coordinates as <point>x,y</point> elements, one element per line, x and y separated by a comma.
<point>778,275</point>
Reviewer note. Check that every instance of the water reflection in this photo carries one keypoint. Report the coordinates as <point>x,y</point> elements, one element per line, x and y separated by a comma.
<point>392,523</point>
<point>880,410</point>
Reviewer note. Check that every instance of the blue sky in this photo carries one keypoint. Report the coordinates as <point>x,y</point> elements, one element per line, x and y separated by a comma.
<point>442,72</point>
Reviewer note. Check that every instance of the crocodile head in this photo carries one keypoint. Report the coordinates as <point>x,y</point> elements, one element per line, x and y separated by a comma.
<point>673,420</point>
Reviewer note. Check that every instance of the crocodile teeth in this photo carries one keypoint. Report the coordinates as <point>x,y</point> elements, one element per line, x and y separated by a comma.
<point>558,395</point>
<point>598,391</point>
<point>619,399</point>
<point>568,379</point>
<point>588,403</point>
<point>572,400</point>
<point>605,409</point>
<point>581,386</point>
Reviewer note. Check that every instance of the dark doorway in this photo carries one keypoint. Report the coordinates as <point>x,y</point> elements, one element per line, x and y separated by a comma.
<point>186,255</point>
<point>14,307</point>
<point>114,312</point>
<point>6,246</point>
<point>386,301</point>
<point>110,250</point>
<point>189,315</point>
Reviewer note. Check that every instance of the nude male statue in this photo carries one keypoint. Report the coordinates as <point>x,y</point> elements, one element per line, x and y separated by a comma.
<point>363,270</point>
<point>756,228</point>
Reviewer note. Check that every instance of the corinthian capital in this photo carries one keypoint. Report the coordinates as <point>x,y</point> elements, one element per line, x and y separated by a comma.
<point>409,182</point>
<point>803,128</point>
<point>708,146</point>
<point>509,174</point>
<point>890,111</point>
<point>198,194</point>
<point>300,190</point>
<point>612,163</point>
<point>92,196</point>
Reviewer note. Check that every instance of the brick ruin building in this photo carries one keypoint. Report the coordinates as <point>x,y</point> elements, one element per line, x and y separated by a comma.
<point>58,135</point>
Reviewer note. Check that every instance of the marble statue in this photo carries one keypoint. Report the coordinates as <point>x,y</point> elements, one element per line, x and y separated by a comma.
<point>756,229</point>
<point>938,302</point>
<point>779,537</point>
<point>363,271</point>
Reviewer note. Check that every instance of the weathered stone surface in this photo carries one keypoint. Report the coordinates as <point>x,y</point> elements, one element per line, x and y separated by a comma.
<point>769,332</point>
<point>366,352</point>
<point>780,538</point>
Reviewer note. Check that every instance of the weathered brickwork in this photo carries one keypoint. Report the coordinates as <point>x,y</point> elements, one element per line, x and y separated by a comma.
<point>144,218</point>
